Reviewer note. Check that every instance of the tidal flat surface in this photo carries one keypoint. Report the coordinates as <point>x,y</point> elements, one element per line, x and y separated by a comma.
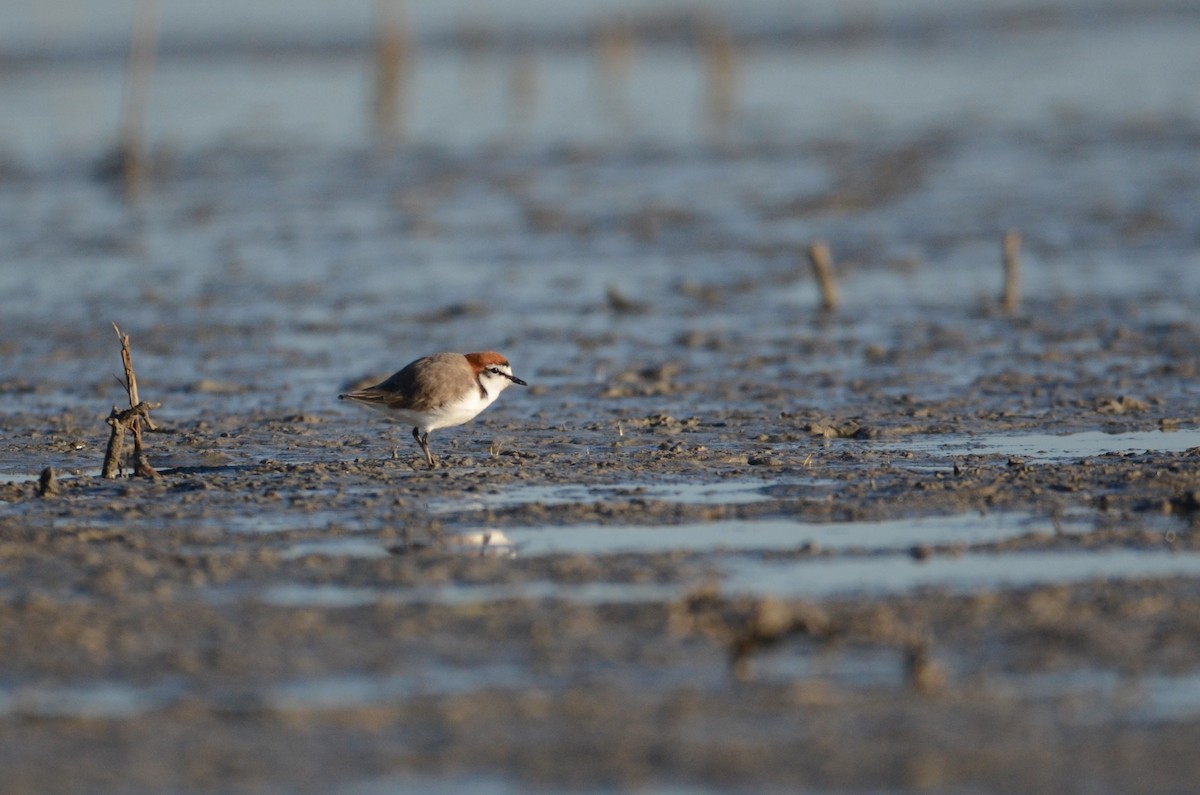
<point>725,540</point>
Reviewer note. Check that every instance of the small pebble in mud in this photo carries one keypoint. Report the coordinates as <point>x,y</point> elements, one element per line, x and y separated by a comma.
<point>764,460</point>
<point>924,672</point>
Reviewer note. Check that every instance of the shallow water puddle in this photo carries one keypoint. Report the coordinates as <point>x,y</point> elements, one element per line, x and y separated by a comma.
<point>355,690</point>
<point>1151,697</point>
<point>1167,698</point>
<point>898,573</point>
<point>20,476</point>
<point>360,690</point>
<point>266,522</point>
<point>89,700</point>
<point>1155,697</point>
<point>786,534</point>
<point>878,667</point>
<point>329,596</point>
<point>1050,447</point>
<point>484,543</point>
<point>366,548</point>
<point>340,596</point>
<point>731,493</point>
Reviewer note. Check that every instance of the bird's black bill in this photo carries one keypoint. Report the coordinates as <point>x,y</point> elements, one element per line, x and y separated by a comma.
<point>515,380</point>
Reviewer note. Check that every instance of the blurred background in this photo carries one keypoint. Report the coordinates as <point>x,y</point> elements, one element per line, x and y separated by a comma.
<point>465,73</point>
<point>339,188</point>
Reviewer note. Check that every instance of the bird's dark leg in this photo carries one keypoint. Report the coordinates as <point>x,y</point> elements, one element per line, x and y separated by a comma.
<point>423,441</point>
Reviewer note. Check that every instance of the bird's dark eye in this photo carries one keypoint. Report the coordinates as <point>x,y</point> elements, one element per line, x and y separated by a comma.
<point>495,370</point>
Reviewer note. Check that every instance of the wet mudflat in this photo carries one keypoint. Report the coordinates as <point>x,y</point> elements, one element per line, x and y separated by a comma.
<point>724,541</point>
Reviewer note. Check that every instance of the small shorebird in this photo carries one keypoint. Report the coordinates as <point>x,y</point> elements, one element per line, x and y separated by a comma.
<point>439,391</point>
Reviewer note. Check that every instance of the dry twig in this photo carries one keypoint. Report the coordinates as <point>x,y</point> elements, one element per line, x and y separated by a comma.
<point>128,420</point>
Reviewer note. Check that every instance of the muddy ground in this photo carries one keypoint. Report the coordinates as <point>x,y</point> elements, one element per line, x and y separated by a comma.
<point>175,634</point>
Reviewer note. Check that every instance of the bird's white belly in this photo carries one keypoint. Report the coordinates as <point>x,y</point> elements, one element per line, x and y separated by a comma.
<point>441,417</point>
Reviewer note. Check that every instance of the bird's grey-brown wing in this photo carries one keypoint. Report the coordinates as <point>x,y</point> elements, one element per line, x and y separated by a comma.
<point>417,386</point>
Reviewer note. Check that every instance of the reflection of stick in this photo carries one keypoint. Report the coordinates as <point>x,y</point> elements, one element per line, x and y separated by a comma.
<point>822,265</point>
<point>137,411</point>
<point>614,46</point>
<point>721,69</point>
<point>1012,271</point>
<point>391,67</point>
<point>476,41</point>
<point>132,146</point>
<point>522,92</point>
